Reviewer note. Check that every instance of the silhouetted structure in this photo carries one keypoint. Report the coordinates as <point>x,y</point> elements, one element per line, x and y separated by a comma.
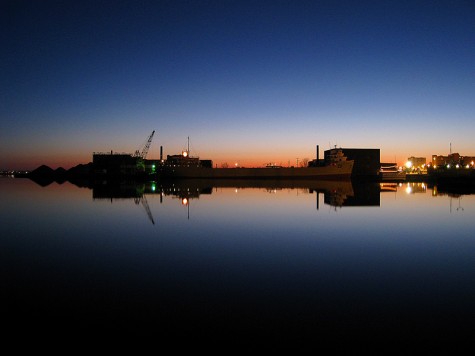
<point>116,164</point>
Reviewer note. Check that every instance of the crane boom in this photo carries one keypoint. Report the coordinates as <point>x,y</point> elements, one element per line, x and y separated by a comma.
<point>144,152</point>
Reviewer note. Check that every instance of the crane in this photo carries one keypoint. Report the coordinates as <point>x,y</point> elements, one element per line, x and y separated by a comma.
<point>144,202</point>
<point>144,152</point>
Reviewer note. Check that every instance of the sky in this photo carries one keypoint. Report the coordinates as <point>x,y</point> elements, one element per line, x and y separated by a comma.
<point>249,82</point>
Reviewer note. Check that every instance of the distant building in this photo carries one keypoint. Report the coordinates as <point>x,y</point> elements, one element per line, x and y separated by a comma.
<point>417,162</point>
<point>453,158</point>
<point>468,161</point>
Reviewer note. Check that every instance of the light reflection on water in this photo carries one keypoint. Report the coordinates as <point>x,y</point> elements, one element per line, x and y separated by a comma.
<point>261,258</point>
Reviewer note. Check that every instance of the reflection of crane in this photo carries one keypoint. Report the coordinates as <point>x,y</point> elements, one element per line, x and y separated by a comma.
<point>144,152</point>
<point>144,202</point>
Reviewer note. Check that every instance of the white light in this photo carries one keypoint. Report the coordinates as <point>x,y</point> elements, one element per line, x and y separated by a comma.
<point>408,190</point>
<point>408,164</point>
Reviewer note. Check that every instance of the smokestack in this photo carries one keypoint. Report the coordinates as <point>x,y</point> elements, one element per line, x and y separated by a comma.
<point>161,153</point>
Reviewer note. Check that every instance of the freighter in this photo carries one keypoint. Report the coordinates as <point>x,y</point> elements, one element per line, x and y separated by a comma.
<point>335,166</point>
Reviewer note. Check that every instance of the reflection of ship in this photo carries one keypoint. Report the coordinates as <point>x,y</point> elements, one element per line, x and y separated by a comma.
<point>388,187</point>
<point>334,166</point>
<point>337,193</point>
<point>336,198</point>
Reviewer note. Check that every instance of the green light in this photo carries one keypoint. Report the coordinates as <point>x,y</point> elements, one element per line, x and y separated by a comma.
<point>153,187</point>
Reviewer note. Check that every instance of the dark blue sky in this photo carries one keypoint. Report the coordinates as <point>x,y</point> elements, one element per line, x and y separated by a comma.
<point>248,81</point>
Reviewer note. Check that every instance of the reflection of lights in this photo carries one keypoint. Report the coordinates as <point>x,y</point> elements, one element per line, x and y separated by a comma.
<point>408,190</point>
<point>408,164</point>
<point>235,190</point>
<point>184,201</point>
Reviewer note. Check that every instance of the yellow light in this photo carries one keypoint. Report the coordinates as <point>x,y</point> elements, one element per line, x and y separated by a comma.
<point>457,166</point>
<point>184,201</point>
<point>185,153</point>
<point>408,164</point>
<point>408,190</point>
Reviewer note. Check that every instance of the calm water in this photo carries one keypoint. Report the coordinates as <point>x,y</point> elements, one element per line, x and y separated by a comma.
<point>260,259</point>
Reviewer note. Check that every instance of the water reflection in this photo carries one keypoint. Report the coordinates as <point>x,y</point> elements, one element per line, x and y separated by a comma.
<point>337,194</point>
<point>444,188</point>
<point>262,257</point>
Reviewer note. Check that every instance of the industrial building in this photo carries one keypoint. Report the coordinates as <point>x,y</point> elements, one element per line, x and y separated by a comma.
<point>115,164</point>
<point>122,164</point>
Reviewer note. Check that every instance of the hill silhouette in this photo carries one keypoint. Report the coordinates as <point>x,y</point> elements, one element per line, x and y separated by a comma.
<point>45,175</point>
